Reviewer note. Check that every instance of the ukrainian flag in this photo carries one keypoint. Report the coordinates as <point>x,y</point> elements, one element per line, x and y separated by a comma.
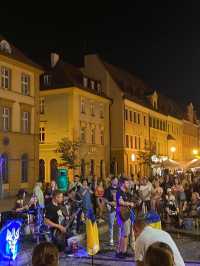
<point>92,234</point>
<point>153,220</point>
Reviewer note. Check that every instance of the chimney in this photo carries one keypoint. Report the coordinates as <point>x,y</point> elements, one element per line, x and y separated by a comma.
<point>54,59</point>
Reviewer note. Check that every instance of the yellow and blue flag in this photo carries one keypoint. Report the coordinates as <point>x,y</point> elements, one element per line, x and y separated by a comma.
<point>92,234</point>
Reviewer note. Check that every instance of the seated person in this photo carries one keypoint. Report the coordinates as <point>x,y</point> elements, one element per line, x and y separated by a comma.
<point>191,209</point>
<point>171,208</point>
<point>21,204</point>
<point>54,218</point>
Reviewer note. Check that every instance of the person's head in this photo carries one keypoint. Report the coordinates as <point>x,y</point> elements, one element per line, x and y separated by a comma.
<point>124,183</point>
<point>144,180</point>
<point>169,191</point>
<point>159,253</point>
<point>58,196</point>
<point>176,181</point>
<point>53,184</point>
<point>157,183</point>
<point>114,182</point>
<point>76,178</point>
<point>139,225</point>
<point>45,254</point>
<point>166,178</point>
<point>84,182</point>
<point>195,196</point>
<point>21,194</point>
<point>100,183</point>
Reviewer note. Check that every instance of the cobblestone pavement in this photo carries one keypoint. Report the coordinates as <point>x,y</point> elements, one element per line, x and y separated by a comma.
<point>189,249</point>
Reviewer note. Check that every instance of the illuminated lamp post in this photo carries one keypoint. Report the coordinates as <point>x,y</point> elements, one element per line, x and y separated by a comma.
<point>195,152</point>
<point>173,150</point>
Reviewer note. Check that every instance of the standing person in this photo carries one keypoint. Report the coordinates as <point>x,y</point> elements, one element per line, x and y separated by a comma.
<point>86,193</point>
<point>37,191</point>
<point>156,196</point>
<point>124,204</point>
<point>49,191</point>
<point>110,196</point>
<point>99,193</point>
<point>146,236</point>
<point>145,192</point>
<point>93,187</point>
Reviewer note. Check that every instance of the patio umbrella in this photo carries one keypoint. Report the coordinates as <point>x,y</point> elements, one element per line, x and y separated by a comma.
<point>193,164</point>
<point>170,164</point>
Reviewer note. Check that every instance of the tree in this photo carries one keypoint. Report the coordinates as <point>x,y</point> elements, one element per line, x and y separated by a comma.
<point>69,150</point>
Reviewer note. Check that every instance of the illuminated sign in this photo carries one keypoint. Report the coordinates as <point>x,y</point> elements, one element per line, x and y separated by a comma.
<point>9,239</point>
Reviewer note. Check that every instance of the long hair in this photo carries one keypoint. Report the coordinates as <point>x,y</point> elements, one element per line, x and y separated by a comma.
<point>159,253</point>
<point>45,254</point>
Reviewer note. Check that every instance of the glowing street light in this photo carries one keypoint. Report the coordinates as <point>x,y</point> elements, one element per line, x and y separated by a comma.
<point>195,151</point>
<point>133,157</point>
<point>173,150</point>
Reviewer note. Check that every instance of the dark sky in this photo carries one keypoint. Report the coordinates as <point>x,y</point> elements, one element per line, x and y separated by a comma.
<point>158,41</point>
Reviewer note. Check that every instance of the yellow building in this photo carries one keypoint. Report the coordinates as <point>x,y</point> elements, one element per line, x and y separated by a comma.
<point>72,105</point>
<point>19,120</point>
<point>143,122</point>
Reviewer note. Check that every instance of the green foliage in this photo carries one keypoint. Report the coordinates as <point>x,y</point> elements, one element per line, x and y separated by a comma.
<point>68,150</point>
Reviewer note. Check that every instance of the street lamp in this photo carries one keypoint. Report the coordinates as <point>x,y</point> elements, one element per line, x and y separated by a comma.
<point>173,150</point>
<point>195,151</point>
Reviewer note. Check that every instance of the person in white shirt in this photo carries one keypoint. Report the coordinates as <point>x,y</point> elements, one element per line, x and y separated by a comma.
<point>146,236</point>
<point>145,192</point>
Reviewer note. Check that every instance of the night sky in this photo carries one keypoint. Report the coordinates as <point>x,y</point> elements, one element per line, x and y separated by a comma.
<point>159,42</point>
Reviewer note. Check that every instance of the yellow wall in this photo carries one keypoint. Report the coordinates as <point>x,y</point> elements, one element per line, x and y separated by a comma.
<point>20,143</point>
<point>63,118</point>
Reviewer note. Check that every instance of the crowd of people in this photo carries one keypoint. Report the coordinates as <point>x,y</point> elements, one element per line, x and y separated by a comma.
<point>175,197</point>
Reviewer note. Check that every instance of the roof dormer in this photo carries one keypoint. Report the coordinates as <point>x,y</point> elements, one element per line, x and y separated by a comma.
<point>154,100</point>
<point>5,47</point>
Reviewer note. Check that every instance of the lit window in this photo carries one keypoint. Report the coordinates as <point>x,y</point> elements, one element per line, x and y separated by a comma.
<point>41,106</point>
<point>5,78</point>
<point>82,105</point>
<point>47,80</point>
<point>25,122</point>
<point>25,84</point>
<point>6,118</point>
<point>42,134</point>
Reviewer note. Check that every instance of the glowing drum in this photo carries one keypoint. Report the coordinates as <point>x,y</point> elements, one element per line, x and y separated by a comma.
<point>9,239</point>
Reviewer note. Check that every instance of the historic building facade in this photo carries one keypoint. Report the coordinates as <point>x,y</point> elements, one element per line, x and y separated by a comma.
<point>19,119</point>
<point>73,106</point>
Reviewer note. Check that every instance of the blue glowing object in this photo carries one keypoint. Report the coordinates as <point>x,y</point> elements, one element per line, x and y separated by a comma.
<point>9,239</point>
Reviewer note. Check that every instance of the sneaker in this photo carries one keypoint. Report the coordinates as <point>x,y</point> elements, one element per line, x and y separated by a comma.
<point>111,242</point>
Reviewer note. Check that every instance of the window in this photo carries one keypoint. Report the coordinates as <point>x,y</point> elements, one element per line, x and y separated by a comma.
<point>161,125</point>
<point>130,114</point>
<point>150,122</point>
<point>138,118</point>
<point>127,141</point>
<point>82,105</point>
<point>42,134</point>
<point>144,120</point>
<point>82,134</point>
<point>25,84</point>
<point>131,142</point>
<point>85,82</point>
<point>4,168</point>
<point>99,90</point>
<point>164,125</point>
<point>5,78</point>
<point>157,124</point>
<point>92,167</point>
<point>42,105</point>
<point>24,168</point>
<point>139,143</point>
<point>92,84</point>
<point>6,118</point>
<point>47,80</point>
<point>41,170</point>
<point>154,123</point>
<point>53,169</point>
<point>93,135</point>
<point>126,114</point>
<point>101,111</point>
<point>135,142</point>
<point>135,120</point>
<point>102,137</point>
<point>25,122</point>
<point>92,109</point>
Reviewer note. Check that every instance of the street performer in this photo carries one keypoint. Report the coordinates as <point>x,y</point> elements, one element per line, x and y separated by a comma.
<point>124,206</point>
<point>54,218</point>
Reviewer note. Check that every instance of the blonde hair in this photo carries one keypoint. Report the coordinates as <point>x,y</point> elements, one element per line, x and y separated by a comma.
<point>159,253</point>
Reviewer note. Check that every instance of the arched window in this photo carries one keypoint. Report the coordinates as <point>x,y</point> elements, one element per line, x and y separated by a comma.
<point>4,168</point>
<point>53,169</point>
<point>41,170</point>
<point>24,168</point>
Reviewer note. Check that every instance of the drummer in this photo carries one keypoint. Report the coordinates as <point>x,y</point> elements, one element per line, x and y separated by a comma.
<point>21,204</point>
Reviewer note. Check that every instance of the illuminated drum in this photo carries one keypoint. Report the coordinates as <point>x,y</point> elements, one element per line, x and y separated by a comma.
<point>9,239</point>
